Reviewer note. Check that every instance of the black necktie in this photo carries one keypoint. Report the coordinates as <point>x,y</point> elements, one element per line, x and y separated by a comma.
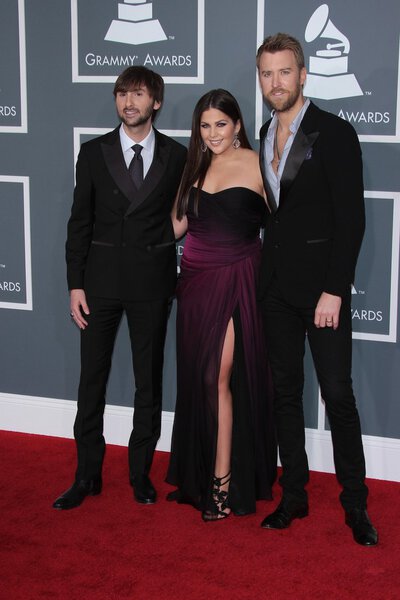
<point>136,166</point>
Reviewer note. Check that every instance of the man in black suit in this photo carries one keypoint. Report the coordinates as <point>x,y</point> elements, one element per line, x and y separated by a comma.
<point>121,257</point>
<point>312,170</point>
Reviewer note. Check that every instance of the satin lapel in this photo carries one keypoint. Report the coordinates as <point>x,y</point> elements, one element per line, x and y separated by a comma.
<point>117,167</point>
<point>154,175</point>
<point>270,196</point>
<point>302,145</point>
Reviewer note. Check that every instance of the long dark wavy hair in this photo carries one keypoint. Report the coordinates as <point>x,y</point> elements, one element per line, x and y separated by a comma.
<point>197,161</point>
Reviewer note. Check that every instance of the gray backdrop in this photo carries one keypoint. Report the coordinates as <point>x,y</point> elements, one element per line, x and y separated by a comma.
<point>56,79</point>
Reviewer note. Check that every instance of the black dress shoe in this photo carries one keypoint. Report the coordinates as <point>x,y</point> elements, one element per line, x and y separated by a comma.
<point>143,489</point>
<point>364,532</point>
<point>76,494</point>
<point>284,515</point>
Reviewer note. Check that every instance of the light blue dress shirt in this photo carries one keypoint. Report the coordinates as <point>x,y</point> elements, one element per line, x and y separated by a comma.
<point>274,179</point>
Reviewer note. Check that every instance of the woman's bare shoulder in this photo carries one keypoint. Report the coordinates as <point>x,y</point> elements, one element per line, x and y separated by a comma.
<point>249,154</point>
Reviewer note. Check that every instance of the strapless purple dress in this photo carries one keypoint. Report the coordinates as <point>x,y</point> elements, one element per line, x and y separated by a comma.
<point>217,282</point>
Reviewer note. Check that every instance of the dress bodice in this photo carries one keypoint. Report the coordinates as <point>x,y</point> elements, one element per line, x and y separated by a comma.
<point>223,230</point>
<point>230,215</point>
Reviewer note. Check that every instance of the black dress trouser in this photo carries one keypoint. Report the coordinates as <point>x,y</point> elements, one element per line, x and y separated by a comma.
<point>147,328</point>
<point>286,329</point>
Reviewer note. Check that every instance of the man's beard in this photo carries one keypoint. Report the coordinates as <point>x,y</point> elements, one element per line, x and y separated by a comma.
<point>289,102</point>
<point>141,119</point>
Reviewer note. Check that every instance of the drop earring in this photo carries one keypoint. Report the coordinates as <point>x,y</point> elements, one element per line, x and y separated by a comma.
<point>236,142</point>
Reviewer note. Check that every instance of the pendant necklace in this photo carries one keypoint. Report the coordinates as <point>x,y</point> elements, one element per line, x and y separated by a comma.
<point>277,156</point>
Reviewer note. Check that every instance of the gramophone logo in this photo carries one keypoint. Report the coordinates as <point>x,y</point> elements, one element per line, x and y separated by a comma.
<point>165,35</point>
<point>135,24</point>
<point>328,77</point>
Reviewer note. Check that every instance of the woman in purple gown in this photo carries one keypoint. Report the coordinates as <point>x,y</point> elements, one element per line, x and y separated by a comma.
<point>223,455</point>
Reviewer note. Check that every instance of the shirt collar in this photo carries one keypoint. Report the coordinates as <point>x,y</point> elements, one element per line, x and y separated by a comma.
<point>127,142</point>
<point>299,117</point>
<point>295,124</point>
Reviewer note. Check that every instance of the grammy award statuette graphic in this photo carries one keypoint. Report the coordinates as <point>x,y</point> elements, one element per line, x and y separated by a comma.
<point>328,76</point>
<point>135,24</point>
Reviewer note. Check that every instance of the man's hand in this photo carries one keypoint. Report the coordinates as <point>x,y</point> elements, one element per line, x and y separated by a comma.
<point>78,306</point>
<point>327,311</point>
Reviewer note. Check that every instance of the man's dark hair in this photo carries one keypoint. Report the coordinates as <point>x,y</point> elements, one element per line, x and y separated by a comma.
<point>134,77</point>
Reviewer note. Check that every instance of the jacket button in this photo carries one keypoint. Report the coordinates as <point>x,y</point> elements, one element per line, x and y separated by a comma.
<point>124,244</point>
<point>276,245</point>
<point>276,220</point>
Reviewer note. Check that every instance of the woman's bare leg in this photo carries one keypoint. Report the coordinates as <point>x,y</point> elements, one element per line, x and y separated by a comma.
<point>224,437</point>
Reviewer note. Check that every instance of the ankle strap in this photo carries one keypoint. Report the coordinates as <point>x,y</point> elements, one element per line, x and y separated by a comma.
<point>222,480</point>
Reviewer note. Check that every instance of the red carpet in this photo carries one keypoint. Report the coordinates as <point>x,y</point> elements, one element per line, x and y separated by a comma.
<point>111,548</point>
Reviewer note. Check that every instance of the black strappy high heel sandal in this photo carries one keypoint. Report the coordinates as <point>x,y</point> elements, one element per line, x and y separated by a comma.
<point>220,500</point>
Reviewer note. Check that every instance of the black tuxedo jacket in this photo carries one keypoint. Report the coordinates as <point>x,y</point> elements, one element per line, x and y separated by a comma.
<point>120,240</point>
<point>312,239</point>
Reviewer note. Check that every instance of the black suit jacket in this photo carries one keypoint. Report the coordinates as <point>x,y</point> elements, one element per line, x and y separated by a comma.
<point>120,240</point>
<point>312,239</point>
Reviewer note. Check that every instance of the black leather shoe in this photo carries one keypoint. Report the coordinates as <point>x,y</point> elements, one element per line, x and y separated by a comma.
<point>284,515</point>
<point>364,532</point>
<point>76,494</point>
<point>143,489</point>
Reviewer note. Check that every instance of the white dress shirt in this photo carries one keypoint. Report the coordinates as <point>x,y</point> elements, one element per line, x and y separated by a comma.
<point>147,153</point>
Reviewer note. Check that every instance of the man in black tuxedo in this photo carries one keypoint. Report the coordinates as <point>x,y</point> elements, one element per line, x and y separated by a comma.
<point>312,170</point>
<point>121,257</point>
